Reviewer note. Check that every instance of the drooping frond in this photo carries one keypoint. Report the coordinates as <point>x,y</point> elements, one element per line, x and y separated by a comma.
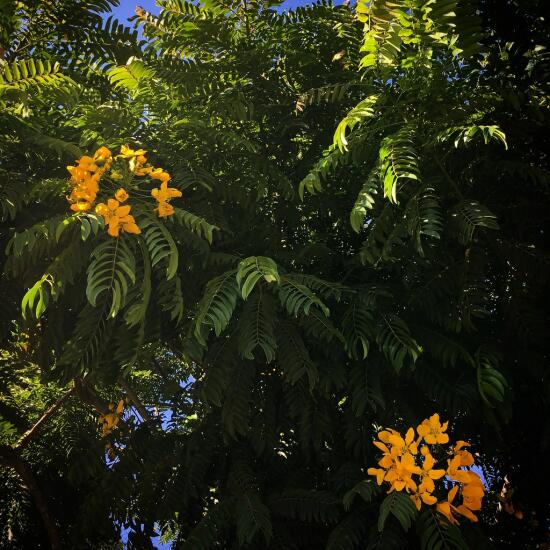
<point>395,340</point>
<point>469,215</point>
<point>216,306</point>
<point>293,356</point>
<point>401,507</point>
<point>252,269</point>
<point>112,271</point>
<point>296,297</point>
<point>436,533</point>
<point>398,161</point>
<point>256,326</point>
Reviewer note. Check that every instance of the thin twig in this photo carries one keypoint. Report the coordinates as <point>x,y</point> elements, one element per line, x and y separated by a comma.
<point>29,434</point>
<point>134,398</point>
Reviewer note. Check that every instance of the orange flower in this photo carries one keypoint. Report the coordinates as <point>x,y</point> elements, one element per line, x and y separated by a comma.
<point>111,419</point>
<point>165,193</point>
<point>85,177</point>
<point>446,507</point>
<point>423,495</point>
<point>161,175</point>
<point>102,153</point>
<point>164,209</point>
<point>431,430</point>
<point>121,195</point>
<point>379,473</point>
<point>428,474</point>
<point>401,446</point>
<point>128,153</point>
<point>466,458</point>
<point>400,477</point>
<point>473,492</point>
<point>454,472</point>
<point>81,206</point>
<point>403,457</point>
<point>117,217</point>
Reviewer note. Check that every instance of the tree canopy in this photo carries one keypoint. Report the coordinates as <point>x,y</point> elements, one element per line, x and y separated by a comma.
<point>240,244</point>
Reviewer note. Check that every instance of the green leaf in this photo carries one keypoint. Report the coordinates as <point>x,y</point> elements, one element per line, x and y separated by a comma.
<point>364,201</point>
<point>160,243</point>
<point>111,271</point>
<point>254,268</point>
<point>256,327</point>
<point>436,533</point>
<point>358,329</point>
<point>491,383</point>
<point>296,297</point>
<point>364,109</point>
<point>366,489</point>
<point>252,517</point>
<point>196,224</point>
<point>216,305</point>
<point>468,216</point>
<point>395,340</point>
<point>398,161</point>
<point>401,507</point>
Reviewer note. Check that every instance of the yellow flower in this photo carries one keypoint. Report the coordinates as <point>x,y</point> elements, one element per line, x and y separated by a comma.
<point>466,458</point>
<point>102,153</point>
<point>117,217</point>
<point>454,472</point>
<point>385,435</point>
<point>428,474</point>
<point>423,495</point>
<point>379,473</point>
<point>84,194</point>
<point>85,176</point>
<point>387,459</point>
<point>473,491</point>
<point>401,446</point>
<point>165,193</point>
<point>161,175</point>
<point>400,476</point>
<point>127,153</point>
<point>472,494</point>
<point>81,206</point>
<point>140,170</point>
<point>137,166</point>
<point>116,175</point>
<point>446,507</point>
<point>164,209</point>
<point>87,163</point>
<point>111,419</point>
<point>431,430</point>
<point>121,195</point>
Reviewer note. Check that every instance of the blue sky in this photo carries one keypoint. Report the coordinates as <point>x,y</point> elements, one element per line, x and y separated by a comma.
<point>126,8</point>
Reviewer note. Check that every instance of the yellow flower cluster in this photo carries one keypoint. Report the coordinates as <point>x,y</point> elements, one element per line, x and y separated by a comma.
<point>110,420</point>
<point>85,177</point>
<point>117,217</point>
<point>405,457</point>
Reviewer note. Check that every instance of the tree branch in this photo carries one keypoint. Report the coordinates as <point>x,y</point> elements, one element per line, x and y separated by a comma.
<point>29,434</point>
<point>11,457</point>
<point>88,395</point>
<point>134,398</point>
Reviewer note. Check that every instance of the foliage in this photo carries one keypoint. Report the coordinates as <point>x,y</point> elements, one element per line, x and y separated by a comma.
<point>362,240</point>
